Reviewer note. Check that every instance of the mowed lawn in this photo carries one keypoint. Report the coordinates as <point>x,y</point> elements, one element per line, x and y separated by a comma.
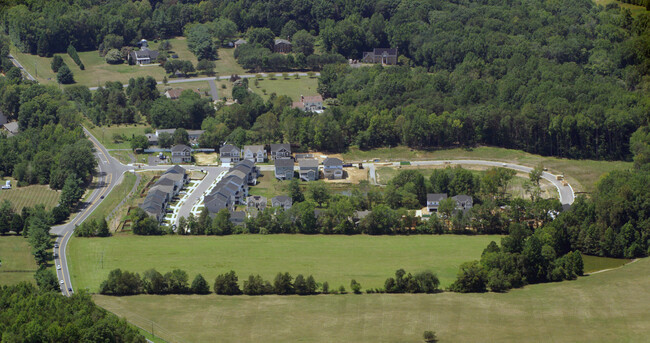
<point>634,9</point>
<point>581,174</point>
<point>104,134</point>
<point>606,307</point>
<point>18,263</point>
<point>113,199</point>
<point>290,87</point>
<point>335,259</point>
<point>29,196</point>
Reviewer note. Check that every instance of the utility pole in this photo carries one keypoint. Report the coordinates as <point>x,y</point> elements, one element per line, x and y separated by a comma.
<point>102,259</point>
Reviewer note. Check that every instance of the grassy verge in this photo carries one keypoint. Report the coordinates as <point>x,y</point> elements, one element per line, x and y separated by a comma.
<point>582,174</point>
<point>121,155</point>
<point>113,199</point>
<point>29,196</point>
<point>606,307</point>
<point>18,263</point>
<point>290,87</point>
<point>335,259</point>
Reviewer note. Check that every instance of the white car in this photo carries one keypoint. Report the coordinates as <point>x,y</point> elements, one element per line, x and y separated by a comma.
<point>58,267</point>
<point>61,282</point>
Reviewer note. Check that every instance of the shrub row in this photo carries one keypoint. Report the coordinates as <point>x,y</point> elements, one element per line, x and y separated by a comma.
<point>75,56</point>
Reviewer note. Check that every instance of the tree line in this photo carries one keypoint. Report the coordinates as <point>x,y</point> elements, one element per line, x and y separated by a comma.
<point>176,282</point>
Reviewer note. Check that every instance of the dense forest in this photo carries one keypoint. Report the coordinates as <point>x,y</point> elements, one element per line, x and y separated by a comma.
<point>30,315</point>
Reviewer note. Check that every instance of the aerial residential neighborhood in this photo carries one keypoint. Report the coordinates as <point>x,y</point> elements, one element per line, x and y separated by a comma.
<point>324,171</point>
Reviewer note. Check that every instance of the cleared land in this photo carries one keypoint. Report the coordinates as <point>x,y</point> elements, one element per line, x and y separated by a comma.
<point>596,263</point>
<point>202,86</point>
<point>290,87</point>
<point>18,263</point>
<point>581,174</point>
<point>606,307</point>
<point>335,259</point>
<point>268,186</point>
<point>515,188</point>
<point>634,9</point>
<point>29,196</point>
<point>226,64</point>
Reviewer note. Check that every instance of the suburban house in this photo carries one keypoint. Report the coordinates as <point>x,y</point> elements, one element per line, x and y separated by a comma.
<point>308,169</point>
<point>282,201</point>
<point>143,56</point>
<point>248,170</point>
<point>238,217</point>
<point>239,42</point>
<point>433,201</point>
<point>193,135</point>
<point>163,190</point>
<point>231,189</point>
<point>463,202</point>
<point>181,153</point>
<point>309,103</point>
<point>282,150</point>
<point>284,168</point>
<point>282,46</point>
<point>381,55</point>
<point>254,153</point>
<point>11,128</point>
<point>333,168</point>
<point>229,153</point>
<point>176,93</point>
<point>256,202</point>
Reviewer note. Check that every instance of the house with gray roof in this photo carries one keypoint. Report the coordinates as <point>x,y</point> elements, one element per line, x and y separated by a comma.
<point>333,168</point>
<point>281,46</point>
<point>248,168</point>
<point>11,128</point>
<point>256,202</point>
<point>238,218</point>
<point>239,43</point>
<point>433,201</point>
<point>284,168</point>
<point>463,202</point>
<point>143,56</point>
<point>163,190</point>
<point>181,153</point>
<point>254,153</point>
<point>308,169</point>
<point>282,201</point>
<point>381,55</point>
<point>282,150</point>
<point>229,153</point>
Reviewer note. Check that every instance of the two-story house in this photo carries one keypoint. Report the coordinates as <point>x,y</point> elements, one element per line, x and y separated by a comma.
<point>229,154</point>
<point>282,201</point>
<point>284,168</point>
<point>309,103</point>
<point>255,153</point>
<point>463,202</point>
<point>333,168</point>
<point>433,201</point>
<point>181,153</point>
<point>308,169</point>
<point>256,202</point>
<point>282,150</point>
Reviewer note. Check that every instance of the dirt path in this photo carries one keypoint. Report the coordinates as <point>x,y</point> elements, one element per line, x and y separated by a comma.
<point>608,269</point>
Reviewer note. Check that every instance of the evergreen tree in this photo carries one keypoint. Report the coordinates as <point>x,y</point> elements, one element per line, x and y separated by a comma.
<point>64,75</point>
<point>199,285</point>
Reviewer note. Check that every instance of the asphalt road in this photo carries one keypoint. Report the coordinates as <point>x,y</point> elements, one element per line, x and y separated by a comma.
<point>212,174</point>
<point>20,66</point>
<point>110,174</point>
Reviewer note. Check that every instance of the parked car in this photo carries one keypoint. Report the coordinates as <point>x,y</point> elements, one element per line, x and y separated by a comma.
<point>58,267</point>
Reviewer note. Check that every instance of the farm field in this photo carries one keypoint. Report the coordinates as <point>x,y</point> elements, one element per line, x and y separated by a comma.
<point>290,87</point>
<point>29,196</point>
<point>582,174</point>
<point>335,259</point>
<point>605,307</point>
<point>515,189</point>
<point>18,263</point>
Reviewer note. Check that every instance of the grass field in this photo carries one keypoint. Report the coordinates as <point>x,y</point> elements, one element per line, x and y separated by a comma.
<point>596,263</point>
<point>515,188</point>
<point>113,198</point>
<point>268,186</point>
<point>291,87</point>
<point>226,64</point>
<point>634,9</point>
<point>122,155</point>
<point>335,259</point>
<point>606,307</point>
<point>582,174</point>
<point>18,263</point>
<point>104,134</point>
<point>29,196</point>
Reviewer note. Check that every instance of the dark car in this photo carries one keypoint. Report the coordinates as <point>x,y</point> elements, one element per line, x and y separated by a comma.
<point>70,289</point>
<point>101,197</point>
